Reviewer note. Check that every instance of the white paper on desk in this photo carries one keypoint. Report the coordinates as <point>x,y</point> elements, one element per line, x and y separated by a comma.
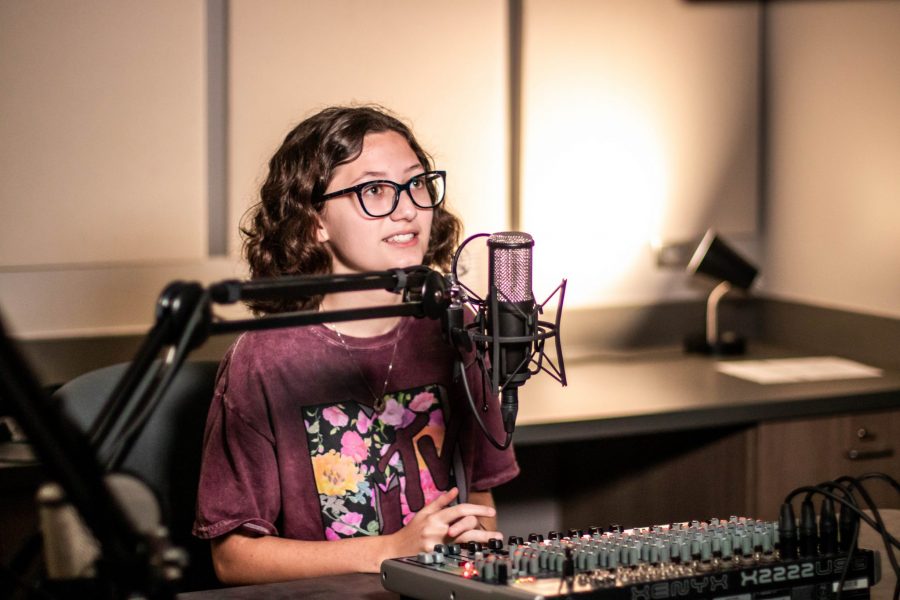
<point>795,370</point>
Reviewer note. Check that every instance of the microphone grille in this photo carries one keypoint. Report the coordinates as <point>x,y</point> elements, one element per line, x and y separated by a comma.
<point>509,264</point>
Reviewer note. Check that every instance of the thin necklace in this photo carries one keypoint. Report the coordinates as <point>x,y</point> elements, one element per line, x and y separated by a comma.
<point>379,401</point>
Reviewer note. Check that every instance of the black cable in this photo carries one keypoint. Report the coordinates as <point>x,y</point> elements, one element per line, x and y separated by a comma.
<point>876,514</point>
<point>877,524</point>
<point>815,489</point>
<point>854,543</point>
<point>883,477</point>
<point>465,381</point>
<point>888,539</point>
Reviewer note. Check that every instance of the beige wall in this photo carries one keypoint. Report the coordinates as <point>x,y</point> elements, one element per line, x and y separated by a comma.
<point>640,125</point>
<point>103,129</point>
<point>833,212</point>
<point>441,66</point>
<point>103,160</point>
<point>102,141</point>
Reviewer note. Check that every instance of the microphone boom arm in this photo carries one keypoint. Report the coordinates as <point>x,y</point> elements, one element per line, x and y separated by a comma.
<point>183,321</point>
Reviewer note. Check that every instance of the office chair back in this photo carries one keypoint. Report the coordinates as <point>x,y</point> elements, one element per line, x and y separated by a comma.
<point>166,455</point>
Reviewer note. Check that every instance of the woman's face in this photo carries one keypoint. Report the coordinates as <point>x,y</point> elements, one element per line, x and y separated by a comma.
<point>358,242</point>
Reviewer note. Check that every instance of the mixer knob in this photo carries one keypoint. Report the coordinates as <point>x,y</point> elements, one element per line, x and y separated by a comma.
<point>489,570</point>
<point>535,537</point>
<point>517,557</point>
<point>454,549</point>
<point>615,528</point>
<point>675,551</point>
<point>705,550</point>
<point>502,572</point>
<point>474,546</point>
<point>553,535</point>
<point>572,533</point>
<point>727,547</point>
<point>525,564</point>
<point>767,545</point>
<point>685,553</point>
<point>534,563</point>
<point>737,543</point>
<point>747,545</point>
<point>756,540</point>
<point>478,563</point>
<point>495,544</point>
<point>441,548</point>
<point>595,530</point>
<point>603,557</point>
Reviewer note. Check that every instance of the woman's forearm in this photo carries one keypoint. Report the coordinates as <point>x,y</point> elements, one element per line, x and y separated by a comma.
<point>240,559</point>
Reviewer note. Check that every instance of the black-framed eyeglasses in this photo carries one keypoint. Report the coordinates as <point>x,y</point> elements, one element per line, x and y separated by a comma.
<point>380,198</point>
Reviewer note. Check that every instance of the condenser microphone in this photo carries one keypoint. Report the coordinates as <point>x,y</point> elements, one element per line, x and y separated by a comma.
<point>511,312</point>
<point>507,334</point>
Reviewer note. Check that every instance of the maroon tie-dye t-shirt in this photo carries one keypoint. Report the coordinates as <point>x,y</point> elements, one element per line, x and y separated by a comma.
<point>293,446</point>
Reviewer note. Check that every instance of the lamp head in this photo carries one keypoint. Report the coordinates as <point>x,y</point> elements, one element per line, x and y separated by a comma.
<point>715,258</point>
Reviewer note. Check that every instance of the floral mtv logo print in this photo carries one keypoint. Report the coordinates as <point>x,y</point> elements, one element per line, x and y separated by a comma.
<point>373,470</point>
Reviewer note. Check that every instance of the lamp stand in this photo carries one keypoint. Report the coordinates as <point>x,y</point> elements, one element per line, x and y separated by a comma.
<point>728,343</point>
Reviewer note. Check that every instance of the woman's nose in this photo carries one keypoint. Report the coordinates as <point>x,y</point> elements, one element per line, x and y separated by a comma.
<point>406,210</point>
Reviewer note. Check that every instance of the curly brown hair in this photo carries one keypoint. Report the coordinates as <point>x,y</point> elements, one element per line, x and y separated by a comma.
<point>280,238</point>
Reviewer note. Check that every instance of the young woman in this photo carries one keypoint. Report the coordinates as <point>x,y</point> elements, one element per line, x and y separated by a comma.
<point>331,448</point>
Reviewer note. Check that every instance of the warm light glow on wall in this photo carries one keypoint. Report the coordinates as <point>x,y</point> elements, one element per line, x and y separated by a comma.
<point>639,123</point>
<point>595,197</point>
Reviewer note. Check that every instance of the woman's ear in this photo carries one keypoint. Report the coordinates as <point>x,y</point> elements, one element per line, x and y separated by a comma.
<point>321,231</point>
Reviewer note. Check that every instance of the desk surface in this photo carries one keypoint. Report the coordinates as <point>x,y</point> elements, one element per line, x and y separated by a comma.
<point>667,390</point>
<point>338,587</point>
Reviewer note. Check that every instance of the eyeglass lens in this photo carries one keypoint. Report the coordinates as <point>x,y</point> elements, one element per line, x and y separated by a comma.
<point>426,191</point>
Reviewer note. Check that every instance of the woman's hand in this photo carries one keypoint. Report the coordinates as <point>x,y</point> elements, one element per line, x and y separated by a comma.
<point>437,523</point>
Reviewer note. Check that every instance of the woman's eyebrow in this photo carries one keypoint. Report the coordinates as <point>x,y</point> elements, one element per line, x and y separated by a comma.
<point>365,176</point>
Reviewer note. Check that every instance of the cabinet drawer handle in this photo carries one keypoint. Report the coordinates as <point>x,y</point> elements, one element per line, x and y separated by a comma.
<point>854,454</point>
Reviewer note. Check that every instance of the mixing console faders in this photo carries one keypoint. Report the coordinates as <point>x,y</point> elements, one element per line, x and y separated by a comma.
<point>734,559</point>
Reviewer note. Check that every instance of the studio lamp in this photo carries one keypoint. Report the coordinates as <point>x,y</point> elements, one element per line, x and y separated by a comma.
<point>715,259</point>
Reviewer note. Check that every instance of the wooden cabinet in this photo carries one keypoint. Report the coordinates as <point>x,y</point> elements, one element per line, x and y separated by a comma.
<point>697,474</point>
<point>797,452</point>
<point>630,480</point>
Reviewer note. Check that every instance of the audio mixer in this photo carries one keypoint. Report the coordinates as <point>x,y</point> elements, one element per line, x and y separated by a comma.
<point>734,559</point>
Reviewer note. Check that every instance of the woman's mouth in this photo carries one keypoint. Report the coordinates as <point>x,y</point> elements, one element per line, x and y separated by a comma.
<point>401,238</point>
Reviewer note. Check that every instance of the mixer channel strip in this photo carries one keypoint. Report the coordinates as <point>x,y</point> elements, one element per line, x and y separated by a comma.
<point>737,559</point>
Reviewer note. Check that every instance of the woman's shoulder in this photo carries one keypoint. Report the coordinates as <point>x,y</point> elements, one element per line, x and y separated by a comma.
<point>262,350</point>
